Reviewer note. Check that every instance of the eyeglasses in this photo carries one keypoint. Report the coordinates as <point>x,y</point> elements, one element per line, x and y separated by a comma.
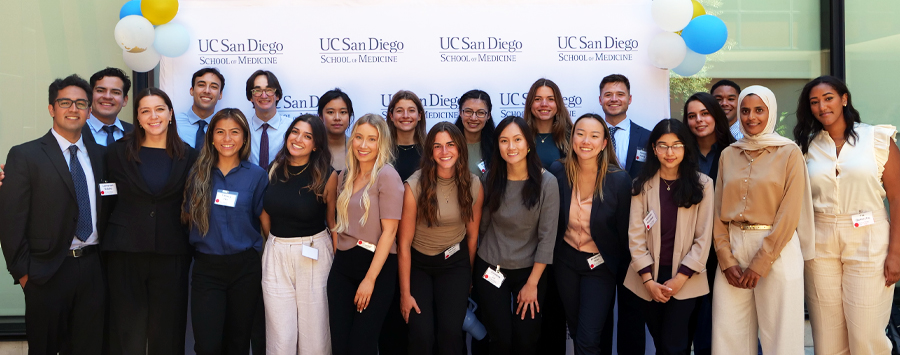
<point>80,104</point>
<point>479,113</point>
<point>662,148</point>
<point>259,92</point>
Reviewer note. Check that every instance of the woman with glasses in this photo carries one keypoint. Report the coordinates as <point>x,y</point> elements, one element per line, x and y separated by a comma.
<point>476,123</point>
<point>336,111</point>
<point>593,229</point>
<point>670,235</point>
<point>763,231</point>
<point>852,167</point>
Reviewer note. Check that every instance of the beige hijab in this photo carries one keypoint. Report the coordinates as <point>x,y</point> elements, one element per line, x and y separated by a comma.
<point>768,138</point>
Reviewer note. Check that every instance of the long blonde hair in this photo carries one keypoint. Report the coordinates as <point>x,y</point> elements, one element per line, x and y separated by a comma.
<point>607,156</point>
<point>384,157</point>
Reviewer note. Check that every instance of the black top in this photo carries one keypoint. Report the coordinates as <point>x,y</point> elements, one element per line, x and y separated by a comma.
<point>668,221</point>
<point>155,167</point>
<point>408,159</point>
<point>294,210</point>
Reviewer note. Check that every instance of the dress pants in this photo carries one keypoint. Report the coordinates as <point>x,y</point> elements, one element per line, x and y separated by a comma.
<point>148,296</point>
<point>669,322</point>
<point>294,289</point>
<point>553,324</point>
<point>774,309</point>
<point>849,306</point>
<point>66,314</point>
<point>509,333</point>
<point>630,331</point>
<point>441,287</point>
<point>394,336</point>
<point>587,296</point>
<point>352,332</point>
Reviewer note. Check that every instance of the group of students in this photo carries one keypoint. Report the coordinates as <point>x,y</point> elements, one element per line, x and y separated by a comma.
<point>373,242</point>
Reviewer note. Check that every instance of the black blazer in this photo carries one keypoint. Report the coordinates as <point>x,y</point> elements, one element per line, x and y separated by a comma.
<point>609,218</point>
<point>637,138</point>
<point>86,131</point>
<point>142,222</point>
<point>38,210</point>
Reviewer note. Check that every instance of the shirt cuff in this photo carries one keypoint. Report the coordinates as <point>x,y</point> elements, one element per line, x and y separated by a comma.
<point>646,270</point>
<point>686,271</point>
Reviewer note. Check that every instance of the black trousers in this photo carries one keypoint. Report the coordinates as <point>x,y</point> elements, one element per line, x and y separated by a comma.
<point>148,302</point>
<point>441,288</point>
<point>355,332</point>
<point>225,291</point>
<point>509,333</point>
<point>553,325</point>
<point>394,337</point>
<point>587,296</point>
<point>669,322</point>
<point>700,331</point>
<point>630,332</point>
<point>66,314</point>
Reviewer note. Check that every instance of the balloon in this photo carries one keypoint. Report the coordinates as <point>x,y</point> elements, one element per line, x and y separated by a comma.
<point>691,64</point>
<point>132,7</point>
<point>143,61</point>
<point>705,34</point>
<point>159,11</point>
<point>670,15</point>
<point>698,9</point>
<point>172,40</point>
<point>134,34</point>
<point>666,50</point>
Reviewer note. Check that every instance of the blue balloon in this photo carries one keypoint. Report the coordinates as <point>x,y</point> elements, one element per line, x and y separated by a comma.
<point>705,34</point>
<point>132,7</point>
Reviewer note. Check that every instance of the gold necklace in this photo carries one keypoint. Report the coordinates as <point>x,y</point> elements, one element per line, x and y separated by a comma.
<point>406,147</point>
<point>301,171</point>
<point>668,186</point>
<point>545,137</point>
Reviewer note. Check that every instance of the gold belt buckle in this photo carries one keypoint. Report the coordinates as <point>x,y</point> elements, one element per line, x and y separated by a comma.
<point>747,226</point>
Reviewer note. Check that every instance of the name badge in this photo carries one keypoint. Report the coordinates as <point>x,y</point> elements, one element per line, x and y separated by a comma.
<point>641,155</point>
<point>366,245</point>
<point>450,251</point>
<point>310,252</point>
<point>650,220</point>
<point>863,219</point>
<point>595,261</point>
<point>108,189</point>
<point>226,198</point>
<point>495,277</point>
<point>482,167</point>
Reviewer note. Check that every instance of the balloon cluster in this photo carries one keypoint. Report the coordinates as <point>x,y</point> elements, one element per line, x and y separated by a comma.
<point>691,35</point>
<point>141,43</point>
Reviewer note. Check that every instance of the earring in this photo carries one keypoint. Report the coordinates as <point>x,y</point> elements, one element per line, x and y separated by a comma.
<point>529,150</point>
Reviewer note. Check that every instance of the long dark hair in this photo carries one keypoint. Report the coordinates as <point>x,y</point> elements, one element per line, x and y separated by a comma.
<point>606,160</point>
<point>688,189</point>
<point>487,132</point>
<point>174,145</point>
<point>562,122</point>
<point>808,126</point>
<point>428,180</point>
<point>419,132</point>
<point>320,157</point>
<point>722,129</point>
<point>497,179</point>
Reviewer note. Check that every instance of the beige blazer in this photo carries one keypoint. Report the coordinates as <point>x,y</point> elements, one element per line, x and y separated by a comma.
<point>693,236</point>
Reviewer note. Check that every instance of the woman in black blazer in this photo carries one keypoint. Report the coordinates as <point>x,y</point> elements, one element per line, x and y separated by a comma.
<point>146,243</point>
<point>592,238</point>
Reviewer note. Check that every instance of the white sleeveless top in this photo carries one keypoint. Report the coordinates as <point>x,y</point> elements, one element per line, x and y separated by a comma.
<point>850,183</point>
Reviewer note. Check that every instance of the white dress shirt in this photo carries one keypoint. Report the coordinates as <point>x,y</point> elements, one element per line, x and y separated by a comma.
<point>85,161</point>
<point>277,126</point>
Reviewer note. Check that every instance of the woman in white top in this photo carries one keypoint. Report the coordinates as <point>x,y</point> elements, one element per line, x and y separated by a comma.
<point>852,167</point>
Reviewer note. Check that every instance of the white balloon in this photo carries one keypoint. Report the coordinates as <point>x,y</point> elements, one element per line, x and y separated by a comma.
<point>172,40</point>
<point>134,34</point>
<point>666,50</point>
<point>672,15</point>
<point>143,61</point>
<point>691,64</point>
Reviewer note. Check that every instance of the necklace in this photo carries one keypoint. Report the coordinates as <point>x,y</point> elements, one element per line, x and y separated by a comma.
<point>301,171</point>
<point>406,147</point>
<point>545,137</point>
<point>668,185</point>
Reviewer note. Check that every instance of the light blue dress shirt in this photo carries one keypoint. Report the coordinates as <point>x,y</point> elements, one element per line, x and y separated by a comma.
<point>85,161</point>
<point>278,125</point>
<point>623,138</point>
<point>187,126</point>
<point>736,130</point>
<point>96,127</point>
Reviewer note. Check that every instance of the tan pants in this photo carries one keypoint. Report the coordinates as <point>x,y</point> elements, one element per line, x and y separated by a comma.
<point>294,295</point>
<point>849,305</point>
<point>773,310</point>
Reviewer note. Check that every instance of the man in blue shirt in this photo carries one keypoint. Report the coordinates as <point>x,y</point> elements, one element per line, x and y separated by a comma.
<point>109,90</point>
<point>267,126</point>
<point>206,89</point>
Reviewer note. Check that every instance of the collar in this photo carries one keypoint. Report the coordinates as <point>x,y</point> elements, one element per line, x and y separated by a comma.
<point>244,164</point>
<point>64,143</point>
<point>193,118</point>
<point>768,148</point>
<point>96,125</point>
<point>625,125</point>
<point>275,122</point>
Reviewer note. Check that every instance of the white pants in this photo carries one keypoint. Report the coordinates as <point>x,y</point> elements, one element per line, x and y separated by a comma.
<point>773,310</point>
<point>294,295</point>
<point>849,305</point>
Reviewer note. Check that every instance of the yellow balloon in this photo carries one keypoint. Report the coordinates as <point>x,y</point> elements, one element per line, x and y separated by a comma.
<point>698,9</point>
<point>160,12</point>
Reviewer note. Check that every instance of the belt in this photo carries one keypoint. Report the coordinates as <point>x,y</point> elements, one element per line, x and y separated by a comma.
<point>747,226</point>
<point>82,251</point>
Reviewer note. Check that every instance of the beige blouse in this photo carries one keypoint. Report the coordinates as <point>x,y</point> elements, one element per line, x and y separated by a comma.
<point>578,231</point>
<point>451,229</point>
<point>385,202</point>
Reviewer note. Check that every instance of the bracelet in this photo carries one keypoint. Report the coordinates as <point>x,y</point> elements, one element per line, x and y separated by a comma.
<point>648,280</point>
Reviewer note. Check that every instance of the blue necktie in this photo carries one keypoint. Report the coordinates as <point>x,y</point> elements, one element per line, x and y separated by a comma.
<point>201,135</point>
<point>612,136</point>
<point>84,228</point>
<point>264,148</point>
<point>109,135</point>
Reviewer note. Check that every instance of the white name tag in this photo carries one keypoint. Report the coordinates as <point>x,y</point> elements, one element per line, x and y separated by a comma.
<point>495,277</point>
<point>641,155</point>
<point>310,252</point>
<point>482,167</point>
<point>863,219</point>
<point>366,245</point>
<point>108,189</point>
<point>650,220</point>
<point>450,251</point>
<point>226,198</point>
<point>595,261</point>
